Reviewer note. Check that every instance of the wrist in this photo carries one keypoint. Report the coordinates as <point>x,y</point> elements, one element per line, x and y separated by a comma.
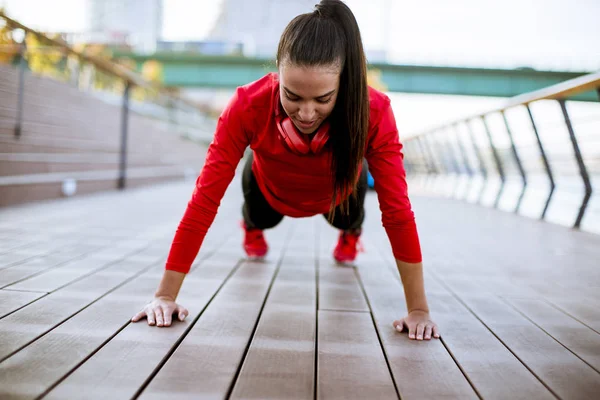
<point>163,296</point>
<point>169,286</point>
<point>423,310</point>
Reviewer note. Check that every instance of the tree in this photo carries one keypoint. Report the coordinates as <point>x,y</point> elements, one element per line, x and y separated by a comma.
<point>374,80</point>
<point>152,71</point>
<point>45,59</point>
<point>8,47</point>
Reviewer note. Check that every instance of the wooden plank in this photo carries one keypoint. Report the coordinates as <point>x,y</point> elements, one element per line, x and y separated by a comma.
<point>490,366</point>
<point>280,363</point>
<point>578,338</point>
<point>53,279</point>
<point>31,371</point>
<point>41,248</point>
<point>574,379</point>
<point>17,256</point>
<point>468,287</point>
<point>10,300</point>
<point>421,369</point>
<point>580,309</point>
<point>483,267</point>
<point>206,362</point>
<point>29,323</point>
<point>351,364</point>
<point>37,265</point>
<point>9,244</point>
<point>338,288</point>
<point>11,275</point>
<point>127,359</point>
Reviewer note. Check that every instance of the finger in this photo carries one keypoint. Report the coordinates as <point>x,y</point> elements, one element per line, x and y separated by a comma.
<point>399,325</point>
<point>420,330</point>
<point>159,316</point>
<point>167,315</point>
<point>411,331</point>
<point>182,313</point>
<point>150,315</point>
<point>428,329</point>
<point>436,332</point>
<point>138,316</point>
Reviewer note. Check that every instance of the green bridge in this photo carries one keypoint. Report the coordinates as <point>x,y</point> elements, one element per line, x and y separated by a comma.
<point>201,71</point>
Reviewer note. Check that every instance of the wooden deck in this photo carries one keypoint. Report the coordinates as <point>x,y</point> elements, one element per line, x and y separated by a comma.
<point>518,302</point>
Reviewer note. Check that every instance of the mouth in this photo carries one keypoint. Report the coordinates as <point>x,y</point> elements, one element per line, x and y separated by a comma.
<point>306,125</point>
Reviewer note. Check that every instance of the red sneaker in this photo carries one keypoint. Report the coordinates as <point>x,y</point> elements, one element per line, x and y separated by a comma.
<point>348,246</point>
<point>255,244</point>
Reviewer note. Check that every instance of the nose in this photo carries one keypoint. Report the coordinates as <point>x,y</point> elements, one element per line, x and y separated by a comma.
<point>307,113</point>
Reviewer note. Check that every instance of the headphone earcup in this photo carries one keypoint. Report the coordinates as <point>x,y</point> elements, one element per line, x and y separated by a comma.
<point>320,139</point>
<point>291,136</point>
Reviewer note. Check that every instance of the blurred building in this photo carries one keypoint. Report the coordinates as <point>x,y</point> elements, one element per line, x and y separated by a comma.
<point>257,24</point>
<point>134,22</point>
<point>215,48</point>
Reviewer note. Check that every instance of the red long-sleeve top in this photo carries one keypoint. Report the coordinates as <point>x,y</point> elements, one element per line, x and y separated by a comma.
<point>294,185</point>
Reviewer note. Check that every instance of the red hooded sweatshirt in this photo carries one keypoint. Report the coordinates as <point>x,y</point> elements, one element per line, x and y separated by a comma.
<point>294,185</point>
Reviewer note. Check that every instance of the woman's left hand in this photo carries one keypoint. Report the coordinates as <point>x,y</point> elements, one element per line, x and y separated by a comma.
<point>419,325</point>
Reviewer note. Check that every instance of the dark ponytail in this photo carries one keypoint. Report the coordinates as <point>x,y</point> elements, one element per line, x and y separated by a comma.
<point>330,36</point>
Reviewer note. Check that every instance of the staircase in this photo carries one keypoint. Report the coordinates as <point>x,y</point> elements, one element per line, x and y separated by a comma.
<point>72,136</point>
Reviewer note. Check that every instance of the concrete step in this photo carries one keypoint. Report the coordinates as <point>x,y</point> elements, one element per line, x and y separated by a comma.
<point>15,190</point>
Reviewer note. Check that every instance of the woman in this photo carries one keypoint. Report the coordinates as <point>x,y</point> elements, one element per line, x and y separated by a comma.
<point>309,127</point>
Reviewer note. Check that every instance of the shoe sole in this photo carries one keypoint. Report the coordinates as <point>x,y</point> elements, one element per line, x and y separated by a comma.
<point>344,262</point>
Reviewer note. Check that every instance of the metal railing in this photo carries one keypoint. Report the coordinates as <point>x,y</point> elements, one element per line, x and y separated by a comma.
<point>104,79</point>
<point>539,154</point>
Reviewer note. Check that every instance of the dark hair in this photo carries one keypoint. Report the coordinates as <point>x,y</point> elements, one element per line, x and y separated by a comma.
<point>330,35</point>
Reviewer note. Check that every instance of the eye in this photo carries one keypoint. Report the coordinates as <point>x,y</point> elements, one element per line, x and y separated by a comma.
<point>325,101</point>
<point>287,96</point>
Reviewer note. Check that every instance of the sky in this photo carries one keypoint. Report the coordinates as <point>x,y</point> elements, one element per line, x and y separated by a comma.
<point>543,34</point>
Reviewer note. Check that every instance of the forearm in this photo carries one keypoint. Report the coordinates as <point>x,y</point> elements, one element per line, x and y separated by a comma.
<point>414,286</point>
<point>170,284</point>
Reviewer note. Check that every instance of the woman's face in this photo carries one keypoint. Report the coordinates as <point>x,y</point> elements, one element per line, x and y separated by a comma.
<point>308,94</point>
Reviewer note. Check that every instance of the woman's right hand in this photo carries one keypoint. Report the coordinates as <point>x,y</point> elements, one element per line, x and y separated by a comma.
<point>159,312</point>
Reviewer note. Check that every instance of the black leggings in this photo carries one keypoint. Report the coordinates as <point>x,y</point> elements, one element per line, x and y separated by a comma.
<point>258,213</point>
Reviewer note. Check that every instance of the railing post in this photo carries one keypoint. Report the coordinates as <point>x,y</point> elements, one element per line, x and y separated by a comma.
<point>406,150</point>
<point>21,92</point>
<point>497,160</point>
<point>546,162</point>
<point>580,163</point>
<point>429,165</point>
<point>517,159</point>
<point>480,161</point>
<point>124,133</point>
<point>464,157</point>
<point>429,169</point>
<point>439,164</point>
<point>450,150</point>
<point>446,142</point>
<point>431,157</point>
<point>448,162</point>
<point>411,160</point>
<point>434,163</point>
<point>462,151</point>
<point>75,71</point>
<point>441,159</point>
